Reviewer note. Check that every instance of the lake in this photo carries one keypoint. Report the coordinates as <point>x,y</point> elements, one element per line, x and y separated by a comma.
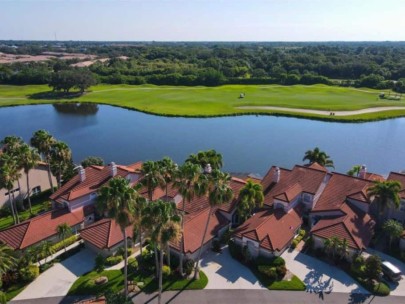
<point>248,143</point>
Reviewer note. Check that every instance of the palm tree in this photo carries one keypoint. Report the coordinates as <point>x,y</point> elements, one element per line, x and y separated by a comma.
<point>7,259</point>
<point>332,246</point>
<point>393,230</point>
<point>138,215</point>
<point>354,171</point>
<point>318,156</point>
<point>189,183</point>
<point>168,170</point>
<point>46,249</point>
<point>344,249</point>
<point>152,177</point>
<point>250,196</point>
<point>162,222</point>
<point>203,158</point>
<point>61,157</point>
<point>29,159</point>
<point>118,199</point>
<point>385,196</point>
<point>9,173</point>
<point>219,192</point>
<point>43,141</point>
<point>63,231</point>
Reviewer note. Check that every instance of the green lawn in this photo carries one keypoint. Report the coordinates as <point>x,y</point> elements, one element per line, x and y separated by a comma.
<point>7,221</point>
<point>85,284</point>
<point>294,284</point>
<point>222,100</point>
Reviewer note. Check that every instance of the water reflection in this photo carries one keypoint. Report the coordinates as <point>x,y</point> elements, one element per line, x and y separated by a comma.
<point>76,108</point>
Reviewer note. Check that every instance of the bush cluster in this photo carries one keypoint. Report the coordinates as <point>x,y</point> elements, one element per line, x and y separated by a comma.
<point>113,260</point>
<point>29,273</point>
<point>67,242</point>
<point>298,239</point>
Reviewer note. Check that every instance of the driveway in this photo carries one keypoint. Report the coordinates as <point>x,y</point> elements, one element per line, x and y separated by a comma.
<point>57,280</point>
<point>224,272</point>
<point>319,276</point>
<point>398,288</point>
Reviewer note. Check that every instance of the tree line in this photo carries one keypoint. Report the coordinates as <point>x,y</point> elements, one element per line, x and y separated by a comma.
<point>371,65</point>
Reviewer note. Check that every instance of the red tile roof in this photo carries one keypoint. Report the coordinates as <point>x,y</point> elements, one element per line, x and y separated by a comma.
<point>105,233</point>
<point>194,226</point>
<point>273,230</point>
<point>353,225</point>
<point>199,203</point>
<point>400,177</point>
<point>317,167</point>
<point>307,178</point>
<point>39,228</point>
<point>339,188</point>
<point>96,177</point>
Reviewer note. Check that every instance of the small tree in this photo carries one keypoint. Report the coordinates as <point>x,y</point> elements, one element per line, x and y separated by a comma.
<point>393,230</point>
<point>373,267</point>
<point>63,231</point>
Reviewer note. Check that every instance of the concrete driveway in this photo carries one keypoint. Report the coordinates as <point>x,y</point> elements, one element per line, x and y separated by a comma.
<point>224,272</point>
<point>57,280</point>
<point>397,288</point>
<point>319,276</point>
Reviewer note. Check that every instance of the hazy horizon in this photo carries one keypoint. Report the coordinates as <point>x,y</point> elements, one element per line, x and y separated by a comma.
<point>203,20</point>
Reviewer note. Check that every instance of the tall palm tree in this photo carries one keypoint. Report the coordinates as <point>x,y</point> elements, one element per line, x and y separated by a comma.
<point>61,157</point>
<point>189,183</point>
<point>332,246</point>
<point>29,159</point>
<point>203,158</point>
<point>385,196</point>
<point>138,216</point>
<point>319,157</point>
<point>7,259</point>
<point>152,177</point>
<point>63,231</point>
<point>118,199</point>
<point>46,249</point>
<point>9,173</point>
<point>43,141</point>
<point>168,170</point>
<point>162,222</point>
<point>250,196</point>
<point>219,192</point>
<point>354,171</point>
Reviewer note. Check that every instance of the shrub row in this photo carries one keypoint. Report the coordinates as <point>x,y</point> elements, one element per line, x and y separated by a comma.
<point>298,239</point>
<point>113,260</point>
<point>67,242</point>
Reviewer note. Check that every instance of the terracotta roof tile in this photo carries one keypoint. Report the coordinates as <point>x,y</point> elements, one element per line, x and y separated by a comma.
<point>39,228</point>
<point>272,229</point>
<point>309,179</point>
<point>400,177</point>
<point>194,226</point>
<point>96,177</point>
<point>105,233</point>
<point>353,225</point>
<point>339,188</point>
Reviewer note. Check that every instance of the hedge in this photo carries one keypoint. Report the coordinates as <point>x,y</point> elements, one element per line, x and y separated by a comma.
<point>29,273</point>
<point>67,242</point>
<point>113,260</point>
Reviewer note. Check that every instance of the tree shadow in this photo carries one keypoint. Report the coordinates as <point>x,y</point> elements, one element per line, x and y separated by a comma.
<point>356,297</point>
<point>54,95</point>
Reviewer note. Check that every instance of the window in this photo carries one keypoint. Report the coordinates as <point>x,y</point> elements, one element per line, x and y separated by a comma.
<point>93,195</point>
<point>402,206</point>
<point>12,191</point>
<point>36,190</point>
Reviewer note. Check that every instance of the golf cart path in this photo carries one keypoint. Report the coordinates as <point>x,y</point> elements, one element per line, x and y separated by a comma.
<point>321,112</point>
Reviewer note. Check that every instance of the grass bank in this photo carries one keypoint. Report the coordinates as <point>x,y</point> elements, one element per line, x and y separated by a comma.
<point>220,101</point>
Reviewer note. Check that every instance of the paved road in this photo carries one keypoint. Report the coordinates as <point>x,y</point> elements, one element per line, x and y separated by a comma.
<point>240,296</point>
<point>320,276</point>
<point>57,280</point>
<point>224,272</point>
<point>320,112</point>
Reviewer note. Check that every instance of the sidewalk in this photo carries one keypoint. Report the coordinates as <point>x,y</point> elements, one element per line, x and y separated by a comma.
<point>58,253</point>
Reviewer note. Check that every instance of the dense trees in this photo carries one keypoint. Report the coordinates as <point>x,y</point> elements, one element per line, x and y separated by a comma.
<point>377,65</point>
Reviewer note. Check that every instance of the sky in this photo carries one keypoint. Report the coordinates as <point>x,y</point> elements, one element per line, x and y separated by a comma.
<point>203,20</point>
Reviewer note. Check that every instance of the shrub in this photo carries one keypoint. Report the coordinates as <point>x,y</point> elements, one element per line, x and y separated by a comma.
<point>247,257</point>
<point>113,260</point>
<point>268,271</point>
<point>68,241</point>
<point>294,243</point>
<point>278,261</point>
<point>28,274</point>
<point>216,246</point>
<point>281,271</point>
<point>261,260</point>
<point>121,251</point>
<point>99,263</point>
<point>302,233</point>
<point>226,237</point>
<point>188,266</point>
<point>166,271</point>
<point>381,289</point>
<point>132,265</point>
<point>148,259</point>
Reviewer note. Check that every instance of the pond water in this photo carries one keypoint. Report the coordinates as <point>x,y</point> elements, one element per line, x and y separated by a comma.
<point>248,143</point>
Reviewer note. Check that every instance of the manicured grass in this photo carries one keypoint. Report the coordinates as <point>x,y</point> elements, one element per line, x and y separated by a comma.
<point>223,100</point>
<point>294,284</point>
<point>7,221</point>
<point>85,284</point>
